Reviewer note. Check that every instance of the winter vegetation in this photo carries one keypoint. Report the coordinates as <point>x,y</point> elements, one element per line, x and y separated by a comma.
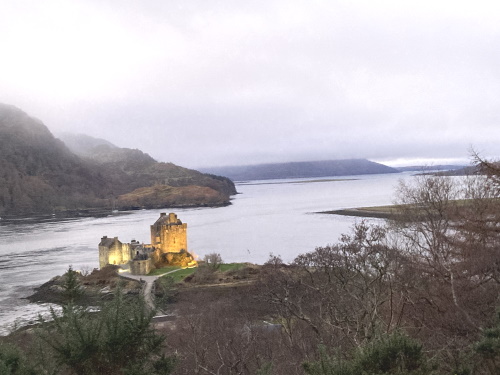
<point>417,295</point>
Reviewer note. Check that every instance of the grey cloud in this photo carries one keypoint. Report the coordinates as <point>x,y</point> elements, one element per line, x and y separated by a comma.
<point>214,83</point>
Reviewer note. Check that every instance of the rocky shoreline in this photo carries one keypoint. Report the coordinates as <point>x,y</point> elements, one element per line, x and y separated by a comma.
<point>96,212</point>
<point>97,285</point>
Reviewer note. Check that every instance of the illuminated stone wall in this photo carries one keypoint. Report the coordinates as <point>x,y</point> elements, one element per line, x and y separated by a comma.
<point>141,267</point>
<point>113,251</point>
<point>169,234</point>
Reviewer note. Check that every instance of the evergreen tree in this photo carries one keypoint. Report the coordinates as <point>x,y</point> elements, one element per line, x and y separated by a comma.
<point>488,347</point>
<point>72,286</point>
<point>117,340</point>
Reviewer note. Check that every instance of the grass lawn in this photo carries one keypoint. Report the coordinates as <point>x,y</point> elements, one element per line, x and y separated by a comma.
<point>224,267</point>
<point>159,271</point>
<point>180,275</point>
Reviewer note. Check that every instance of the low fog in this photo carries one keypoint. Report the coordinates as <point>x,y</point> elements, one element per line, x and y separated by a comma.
<point>204,83</point>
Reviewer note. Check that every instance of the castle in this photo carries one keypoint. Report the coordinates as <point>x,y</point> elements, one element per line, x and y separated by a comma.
<point>168,247</point>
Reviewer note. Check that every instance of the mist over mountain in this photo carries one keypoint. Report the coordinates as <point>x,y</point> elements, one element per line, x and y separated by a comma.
<point>138,169</point>
<point>306,169</point>
<point>82,144</point>
<point>40,174</point>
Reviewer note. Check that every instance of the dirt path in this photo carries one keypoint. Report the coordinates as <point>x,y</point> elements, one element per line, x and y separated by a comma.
<point>148,286</point>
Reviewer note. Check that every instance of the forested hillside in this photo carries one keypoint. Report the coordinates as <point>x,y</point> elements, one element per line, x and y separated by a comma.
<point>39,174</point>
<point>139,169</point>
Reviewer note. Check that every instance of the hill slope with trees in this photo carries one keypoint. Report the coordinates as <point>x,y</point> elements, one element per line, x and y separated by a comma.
<point>40,174</point>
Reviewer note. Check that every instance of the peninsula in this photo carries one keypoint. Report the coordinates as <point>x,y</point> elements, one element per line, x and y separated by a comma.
<point>379,212</point>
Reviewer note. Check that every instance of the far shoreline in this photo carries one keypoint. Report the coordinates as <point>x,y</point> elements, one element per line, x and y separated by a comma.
<point>95,212</point>
<point>293,181</point>
<point>377,212</point>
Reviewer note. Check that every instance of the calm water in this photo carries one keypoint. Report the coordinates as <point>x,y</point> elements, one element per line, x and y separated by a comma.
<point>265,218</point>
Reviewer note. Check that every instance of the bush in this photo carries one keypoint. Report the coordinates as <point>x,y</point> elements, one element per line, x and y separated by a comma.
<point>213,261</point>
<point>204,275</point>
<point>206,272</point>
<point>390,354</point>
<point>12,362</point>
<point>164,291</point>
<point>488,347</point>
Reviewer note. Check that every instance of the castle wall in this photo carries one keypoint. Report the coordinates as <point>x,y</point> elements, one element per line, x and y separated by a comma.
<point>141,267</point>
<point>112,251</point>
<point>156,255</point>
<point>103,256</point>
<point>126,253</point>
<point>173,238</point>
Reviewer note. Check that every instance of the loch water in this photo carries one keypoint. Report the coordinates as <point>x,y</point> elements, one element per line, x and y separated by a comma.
<point>273,216</point>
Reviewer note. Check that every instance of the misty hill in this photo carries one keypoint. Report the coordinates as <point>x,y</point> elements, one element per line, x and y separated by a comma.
<point>138,169</point>
<point>325,168</point>
<point>39,174</point>
<point>82,144</point>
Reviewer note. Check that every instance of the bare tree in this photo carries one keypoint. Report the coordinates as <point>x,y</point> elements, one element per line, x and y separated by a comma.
<point>446,228</point>
<point>344,292</point>
<point>213,261</point>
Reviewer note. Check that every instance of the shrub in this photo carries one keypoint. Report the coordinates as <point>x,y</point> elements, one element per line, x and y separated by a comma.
<point>488,347</point>
<point>12,362</point>
<point>213,261</point>
<point>390,354</point>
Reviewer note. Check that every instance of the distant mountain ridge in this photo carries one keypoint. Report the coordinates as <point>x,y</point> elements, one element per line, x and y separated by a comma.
<point>40,174</point>
<point>306,169</point>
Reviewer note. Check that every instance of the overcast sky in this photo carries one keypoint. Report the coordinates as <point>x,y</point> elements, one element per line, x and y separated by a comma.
<point>206,83</point>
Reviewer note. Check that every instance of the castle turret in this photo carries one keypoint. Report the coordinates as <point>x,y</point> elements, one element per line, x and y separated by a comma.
<point>169,234</point>
<point>113,251</point>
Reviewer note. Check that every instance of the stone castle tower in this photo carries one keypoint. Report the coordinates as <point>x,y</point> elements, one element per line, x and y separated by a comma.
<point>113,251</point>
<point>169,234</point>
